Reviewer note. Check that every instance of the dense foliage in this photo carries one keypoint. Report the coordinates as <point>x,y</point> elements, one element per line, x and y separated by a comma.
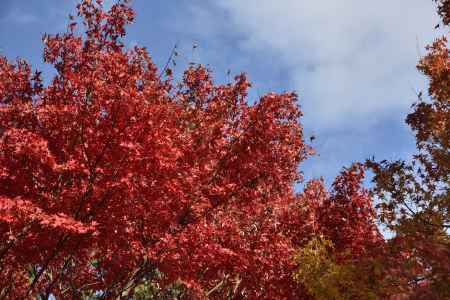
<point>117,182</point>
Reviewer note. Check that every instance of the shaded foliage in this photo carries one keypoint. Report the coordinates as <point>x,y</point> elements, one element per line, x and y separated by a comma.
<point>414,194</point>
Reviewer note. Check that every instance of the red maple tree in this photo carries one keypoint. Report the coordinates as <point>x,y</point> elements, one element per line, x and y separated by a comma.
<point>112,176</point>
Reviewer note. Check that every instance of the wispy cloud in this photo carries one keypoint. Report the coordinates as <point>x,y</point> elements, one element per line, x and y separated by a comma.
<point>350,58</point>
<point>352,62</point>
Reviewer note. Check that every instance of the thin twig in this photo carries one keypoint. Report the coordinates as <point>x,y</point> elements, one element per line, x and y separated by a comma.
<point>172,54</point>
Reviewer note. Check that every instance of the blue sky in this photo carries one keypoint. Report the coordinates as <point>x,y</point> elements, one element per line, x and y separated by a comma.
<point>351,61</point>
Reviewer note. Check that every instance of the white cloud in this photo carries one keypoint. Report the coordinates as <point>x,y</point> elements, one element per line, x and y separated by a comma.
<point>350,59</point>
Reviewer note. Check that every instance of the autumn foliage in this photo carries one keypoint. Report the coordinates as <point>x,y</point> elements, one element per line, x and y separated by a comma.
<point>117,182</point>
<point>415,194</point>
<point>444,10</point>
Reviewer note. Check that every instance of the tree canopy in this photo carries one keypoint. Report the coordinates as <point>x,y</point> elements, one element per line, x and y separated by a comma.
<point>118,182</point>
